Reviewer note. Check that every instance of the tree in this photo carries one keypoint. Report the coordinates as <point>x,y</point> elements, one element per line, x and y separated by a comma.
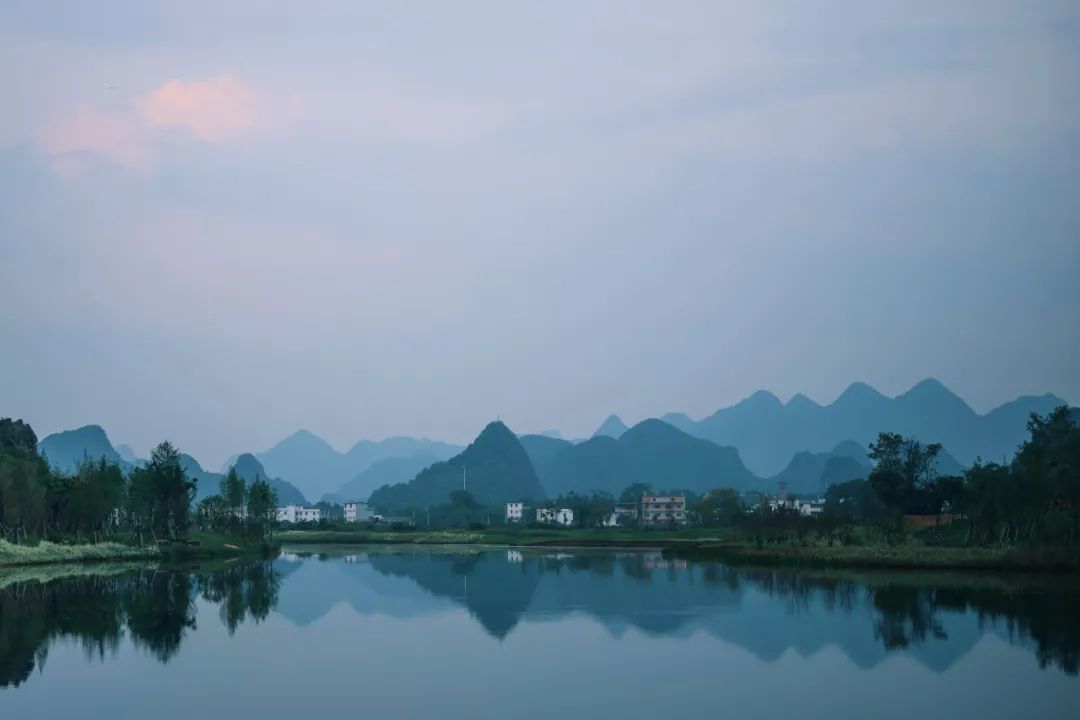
<point>261,507</point>
<point>903,466</point>
<point>161,494</point>
<point>234,493</point>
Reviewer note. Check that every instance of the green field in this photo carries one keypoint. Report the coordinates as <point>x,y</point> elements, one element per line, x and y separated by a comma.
<point>205,545</point>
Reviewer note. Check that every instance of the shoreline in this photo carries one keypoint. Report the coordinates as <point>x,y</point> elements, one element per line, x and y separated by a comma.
<point>48,553</point>
<point>884,557</point>
<point>675,545</point>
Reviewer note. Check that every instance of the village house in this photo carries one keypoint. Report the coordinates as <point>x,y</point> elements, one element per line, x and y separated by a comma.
<point>663,510</point>
<point>358,511</point>
<point>298,514</point>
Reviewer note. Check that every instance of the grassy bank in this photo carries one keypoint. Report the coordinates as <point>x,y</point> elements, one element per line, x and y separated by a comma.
<point>202,545</point>
<point>711,544</point>
<point>908,556</point>
<point>47,552</point>
<point>499,536</point>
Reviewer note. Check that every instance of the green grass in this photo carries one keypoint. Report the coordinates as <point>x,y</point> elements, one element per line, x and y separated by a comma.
<point>48,552</point>
<point>614,537</point>
<point>868,550</point>
<point>910,555</point>
<point>210,545</point>
<point>60,571</point>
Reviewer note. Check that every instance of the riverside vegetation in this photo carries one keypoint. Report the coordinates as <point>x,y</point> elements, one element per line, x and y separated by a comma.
<point>1021,514</point>
<point>99,512</point>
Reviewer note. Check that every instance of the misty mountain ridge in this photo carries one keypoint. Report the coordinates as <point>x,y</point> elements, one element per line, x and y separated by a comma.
<point>495,468</point>
<point>311,464</point>
<point>652,452</point>
<point>249,468</point>
<point>390,471</point>
<point>768,432</point>
<point>66,449</point>
<point>613,427</point>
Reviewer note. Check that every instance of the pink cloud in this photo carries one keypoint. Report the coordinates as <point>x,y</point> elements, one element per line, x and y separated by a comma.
<point>89,136</point>
<point>216,110</point>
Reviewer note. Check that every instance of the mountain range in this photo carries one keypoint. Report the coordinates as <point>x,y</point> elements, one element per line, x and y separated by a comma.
<point>756,443</point>
<point>652,452</point>
<point>768,432</point>
<point>310,463</point>
<point>494,468</point>
<point>248,468</point>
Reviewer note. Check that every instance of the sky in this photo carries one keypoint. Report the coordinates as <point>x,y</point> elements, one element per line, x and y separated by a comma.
<point>222,222</point>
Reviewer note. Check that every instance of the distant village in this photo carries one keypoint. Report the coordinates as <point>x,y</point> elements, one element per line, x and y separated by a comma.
<point>657,511</point>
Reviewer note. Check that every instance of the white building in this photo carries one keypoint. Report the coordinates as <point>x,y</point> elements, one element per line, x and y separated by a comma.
<point>515,512</point>
<point>358,511</point>
<point>560,516</point>
<point>663,509</point>
<point>298,513</point>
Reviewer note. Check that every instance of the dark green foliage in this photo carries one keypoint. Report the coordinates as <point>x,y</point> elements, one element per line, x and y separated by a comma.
<point>855,503</point>
<point>719,508</point>
<point>589,510</point>
<point>1036,499</point>
<point>495,467</point>
<point>904,466</point>
<point>160,494</point>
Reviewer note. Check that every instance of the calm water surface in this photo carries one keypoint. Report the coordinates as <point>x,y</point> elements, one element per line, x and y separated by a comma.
<point>407,633</point>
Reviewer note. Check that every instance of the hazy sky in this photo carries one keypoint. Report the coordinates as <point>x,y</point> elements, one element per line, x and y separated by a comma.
<point>224,221</point>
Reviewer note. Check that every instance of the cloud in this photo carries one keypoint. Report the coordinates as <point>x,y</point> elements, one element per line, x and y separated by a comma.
<point>216,110</point>
<point>90,136</point>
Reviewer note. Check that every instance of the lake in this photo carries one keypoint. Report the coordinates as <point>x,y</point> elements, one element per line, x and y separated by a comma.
<point>414,632</point>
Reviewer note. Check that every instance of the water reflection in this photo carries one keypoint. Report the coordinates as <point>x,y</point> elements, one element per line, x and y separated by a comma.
<point>933,618</point>
<point>153,606</point>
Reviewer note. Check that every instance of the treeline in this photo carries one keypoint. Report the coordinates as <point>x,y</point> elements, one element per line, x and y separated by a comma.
<point>238,508</point>
<point>1032,500</point>
<point>99,499</point>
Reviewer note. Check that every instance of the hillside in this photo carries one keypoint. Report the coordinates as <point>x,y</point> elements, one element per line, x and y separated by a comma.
<point>651,452</point>
<point>65,450</point>
<point>384,472</point>
<point>496,468</point>
<point>248,467</point>
<point>768,433</point>
<point>809,474</point>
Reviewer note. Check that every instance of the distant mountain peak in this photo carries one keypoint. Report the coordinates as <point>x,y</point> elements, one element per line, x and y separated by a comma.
<point>612,427</point>
<point>762,398</point>
<point>859,391</point>
<point>305,437</point>
<point>798,400</point>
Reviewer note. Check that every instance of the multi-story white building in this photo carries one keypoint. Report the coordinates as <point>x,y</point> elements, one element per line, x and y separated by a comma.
<point>515,512</point>
<point>298,513</point>
<point>560,516</point>
<point>663,509</point>
<point>358,511</point>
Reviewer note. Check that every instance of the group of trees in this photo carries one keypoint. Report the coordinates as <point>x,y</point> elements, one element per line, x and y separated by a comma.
<point>1034,499</point>
<point>239,509</point>
<point>152,501</point>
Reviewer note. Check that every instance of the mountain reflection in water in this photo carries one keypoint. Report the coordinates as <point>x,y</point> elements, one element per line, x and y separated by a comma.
<point>934,618</point>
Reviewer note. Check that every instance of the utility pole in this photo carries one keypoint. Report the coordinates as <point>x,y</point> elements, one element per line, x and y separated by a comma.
<point>463,478</point>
